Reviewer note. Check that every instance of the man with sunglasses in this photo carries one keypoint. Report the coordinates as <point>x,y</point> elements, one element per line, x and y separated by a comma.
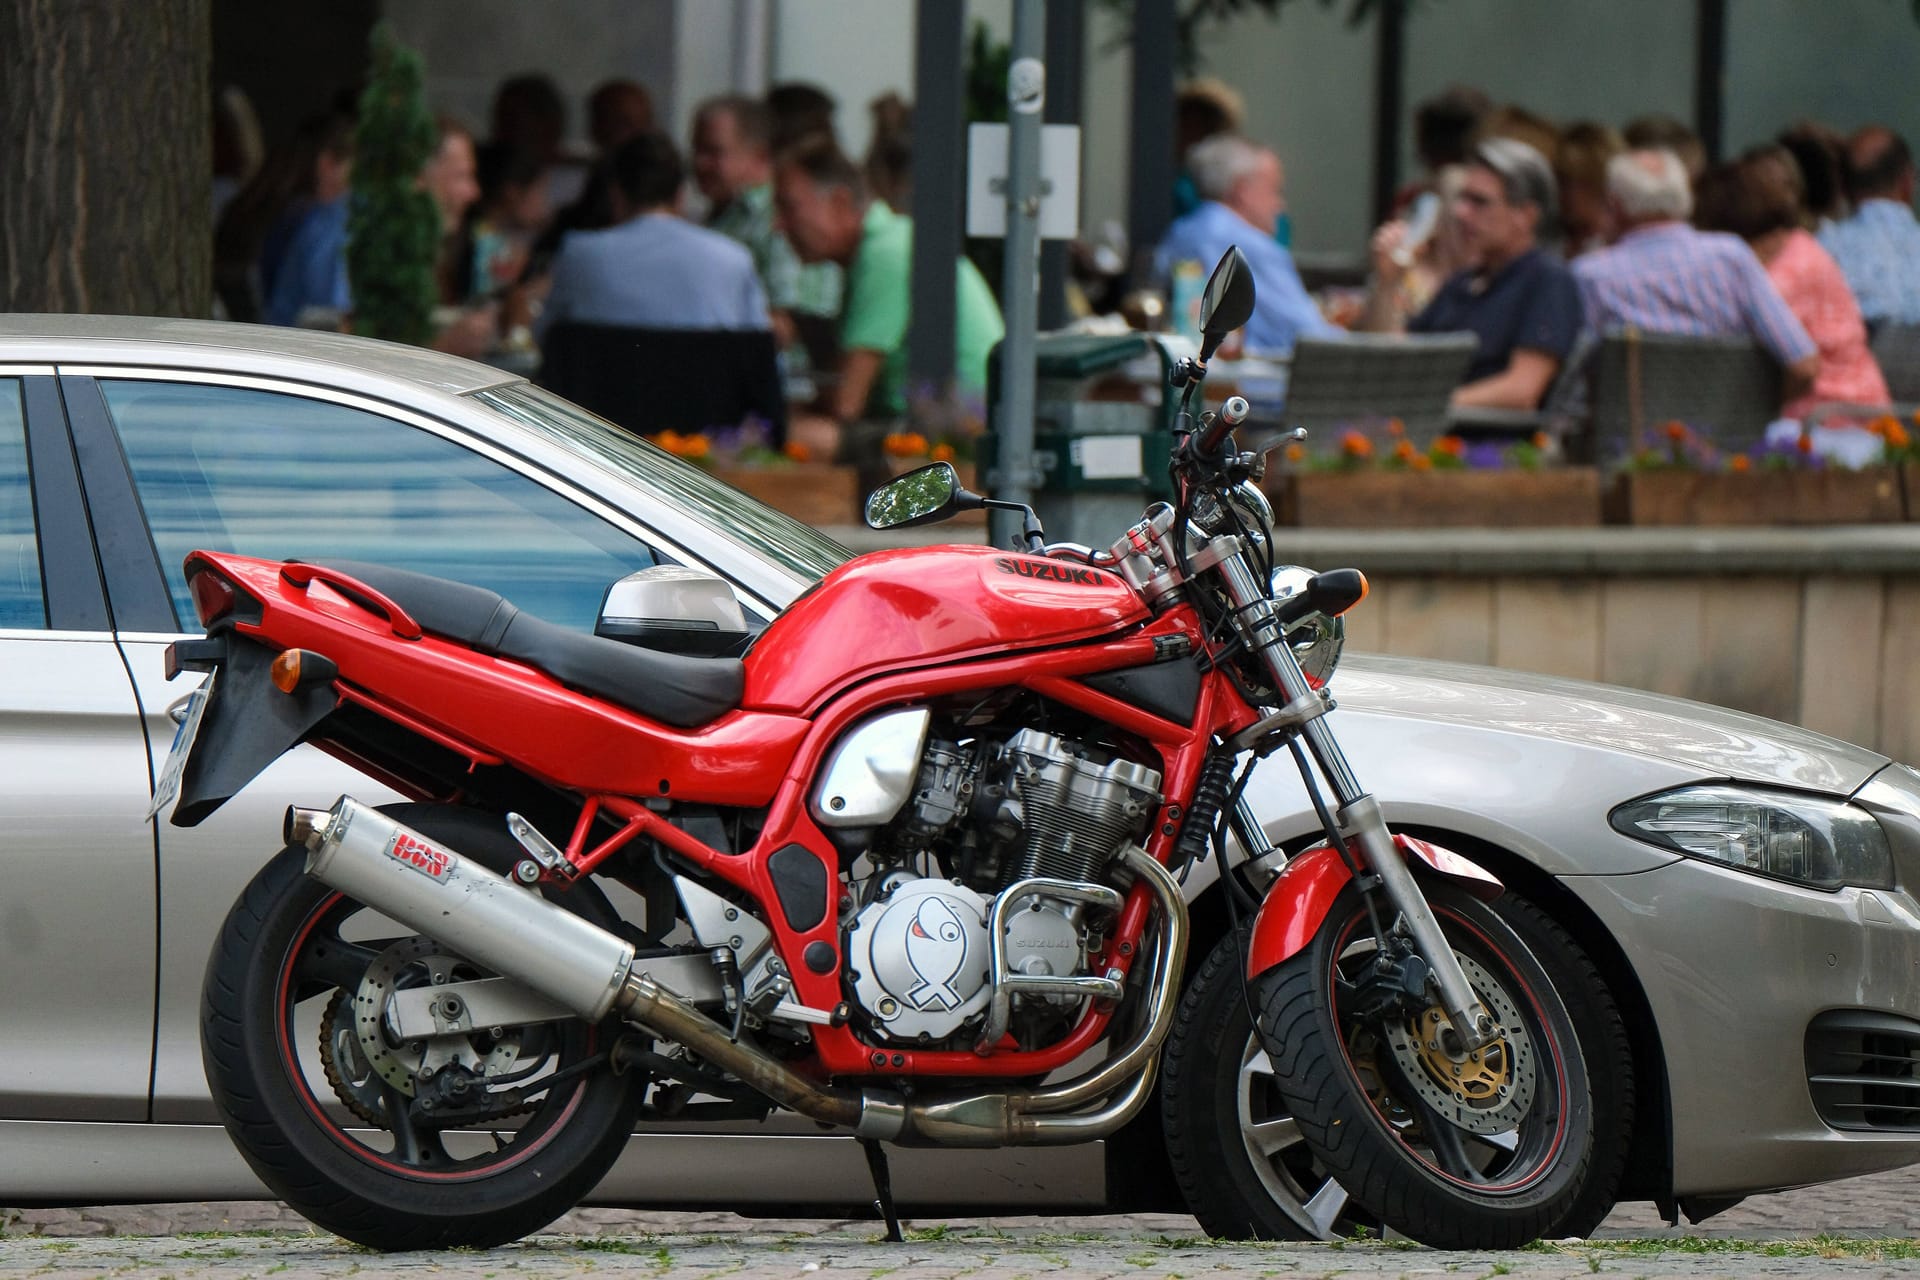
<point>1519,301</point>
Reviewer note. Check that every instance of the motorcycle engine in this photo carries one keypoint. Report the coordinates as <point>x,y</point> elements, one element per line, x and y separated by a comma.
<point>991,814</point>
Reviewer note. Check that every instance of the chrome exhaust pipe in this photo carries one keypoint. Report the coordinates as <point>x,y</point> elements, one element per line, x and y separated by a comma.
<point>454,900</point>
<point>516,933</point>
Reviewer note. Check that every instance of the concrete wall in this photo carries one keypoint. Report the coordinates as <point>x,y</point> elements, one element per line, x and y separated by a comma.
<point>1845,62</point>
<point>470,46</point>
<point>1831,651</point>
<point>854,49</point>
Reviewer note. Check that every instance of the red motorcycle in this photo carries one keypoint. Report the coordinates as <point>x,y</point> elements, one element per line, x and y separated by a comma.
<point>907,866</point>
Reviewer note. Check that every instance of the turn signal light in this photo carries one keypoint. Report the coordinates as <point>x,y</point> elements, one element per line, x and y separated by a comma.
<point>296,669</point>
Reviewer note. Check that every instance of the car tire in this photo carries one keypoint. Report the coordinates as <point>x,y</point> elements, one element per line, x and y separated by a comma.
<point>303,1149</point>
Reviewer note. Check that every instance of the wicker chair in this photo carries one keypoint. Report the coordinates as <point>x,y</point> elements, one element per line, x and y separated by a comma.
<point>1727,389</point>
<point>1369,378</point>
<point>1897,348</point>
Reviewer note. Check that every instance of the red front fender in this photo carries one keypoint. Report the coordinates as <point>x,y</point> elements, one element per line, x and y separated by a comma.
<point>1300,899</point>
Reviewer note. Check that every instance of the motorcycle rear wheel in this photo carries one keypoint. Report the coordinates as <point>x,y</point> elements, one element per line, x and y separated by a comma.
<point>1457,1151</point>
<point>364,1164</point>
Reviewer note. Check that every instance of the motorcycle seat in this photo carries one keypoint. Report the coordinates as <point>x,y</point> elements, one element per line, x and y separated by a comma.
<point>673,688</point>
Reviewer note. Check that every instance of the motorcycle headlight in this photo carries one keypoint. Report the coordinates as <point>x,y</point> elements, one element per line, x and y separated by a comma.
<point>1316,640</point>
<point>1819,843</point>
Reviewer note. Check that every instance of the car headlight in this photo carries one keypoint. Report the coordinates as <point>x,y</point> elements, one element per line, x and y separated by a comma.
<point>1820,843</point>
<point>1316,640</point>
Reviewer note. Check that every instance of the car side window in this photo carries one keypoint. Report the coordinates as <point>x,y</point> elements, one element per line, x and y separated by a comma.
<point>283,476</point>
<point>23,602</point>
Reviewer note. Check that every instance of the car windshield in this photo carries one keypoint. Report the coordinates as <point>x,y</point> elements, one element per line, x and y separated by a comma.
<point>800,549</point>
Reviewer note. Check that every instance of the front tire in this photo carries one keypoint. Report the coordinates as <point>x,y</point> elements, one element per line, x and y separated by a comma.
<point>331,1122</point>
<point>1485,1150</point>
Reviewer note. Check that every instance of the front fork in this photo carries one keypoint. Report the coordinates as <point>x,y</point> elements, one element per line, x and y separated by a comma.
<point>1358,813</point>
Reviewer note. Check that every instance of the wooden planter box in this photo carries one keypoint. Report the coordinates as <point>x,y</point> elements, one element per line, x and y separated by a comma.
<point>1436,499</point>
<point>812,493</point>
<point>1834,496</point>
<point>1910,489</point>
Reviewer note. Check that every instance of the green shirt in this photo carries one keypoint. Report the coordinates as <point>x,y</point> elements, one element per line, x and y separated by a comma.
<point>879,286</point>
<point>809,288</point>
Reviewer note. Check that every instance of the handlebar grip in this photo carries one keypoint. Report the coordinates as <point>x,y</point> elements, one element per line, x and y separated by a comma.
<point>1232,414</point>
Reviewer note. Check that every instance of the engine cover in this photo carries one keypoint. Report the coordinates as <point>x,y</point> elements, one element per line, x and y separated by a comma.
<point>920,958</point>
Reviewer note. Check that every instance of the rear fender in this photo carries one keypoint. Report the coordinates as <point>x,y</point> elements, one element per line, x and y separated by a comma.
<point>1298,901</point>
<point>248,724</point>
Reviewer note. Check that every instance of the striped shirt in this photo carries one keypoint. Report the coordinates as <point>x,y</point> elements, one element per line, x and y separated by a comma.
<point>1670,278</point>
<point>1879,250</point>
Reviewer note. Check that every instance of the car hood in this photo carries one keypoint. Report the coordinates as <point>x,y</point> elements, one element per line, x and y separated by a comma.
<point>1718,742</point>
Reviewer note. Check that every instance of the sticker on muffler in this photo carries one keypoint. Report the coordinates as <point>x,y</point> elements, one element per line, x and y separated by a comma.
<point>419,856</point>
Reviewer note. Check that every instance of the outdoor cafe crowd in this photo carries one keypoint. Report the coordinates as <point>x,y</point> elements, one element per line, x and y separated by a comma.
<point>783,274</point>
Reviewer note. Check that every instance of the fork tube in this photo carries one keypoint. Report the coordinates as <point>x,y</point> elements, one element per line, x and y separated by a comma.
<point>1359,813</point>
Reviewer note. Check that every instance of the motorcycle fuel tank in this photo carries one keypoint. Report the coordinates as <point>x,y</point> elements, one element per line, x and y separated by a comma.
<point>895,610</point>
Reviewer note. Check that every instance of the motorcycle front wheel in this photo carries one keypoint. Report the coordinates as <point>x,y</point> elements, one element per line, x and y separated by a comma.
<point>1488,1149</point>
<point>464,1140</point>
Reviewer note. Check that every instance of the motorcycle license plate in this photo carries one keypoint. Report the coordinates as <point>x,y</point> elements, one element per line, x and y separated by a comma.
<point>167,790</point>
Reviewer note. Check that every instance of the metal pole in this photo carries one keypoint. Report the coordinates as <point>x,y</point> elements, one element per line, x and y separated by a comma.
<point>1390,74</point>
<point>939,193</point>
<point>1020,281</point>
<point>1710,75</point>
<point>1156,32</point>
<point>1066,52</point>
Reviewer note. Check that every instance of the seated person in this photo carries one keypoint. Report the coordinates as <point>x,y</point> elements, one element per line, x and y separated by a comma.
<point>1879,246</point>
<point>652,269</point>
<point>1242,196</point>
<point>1519,302</point>
<point>827,215</point>
<point>1758,198</point>
<point>1662,276</point>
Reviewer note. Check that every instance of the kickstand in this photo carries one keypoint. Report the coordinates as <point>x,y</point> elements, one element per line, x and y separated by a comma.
<point>882,1188</point>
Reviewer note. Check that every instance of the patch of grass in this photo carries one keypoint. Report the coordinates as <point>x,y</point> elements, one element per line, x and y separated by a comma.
<point>613,1244</point>
<point>1868,1248</point>
<point>938,1231</point>
<point>1142,1259</point>
<point>60,1246</point>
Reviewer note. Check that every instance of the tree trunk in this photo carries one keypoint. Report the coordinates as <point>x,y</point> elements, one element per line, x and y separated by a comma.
<point>106,201</point>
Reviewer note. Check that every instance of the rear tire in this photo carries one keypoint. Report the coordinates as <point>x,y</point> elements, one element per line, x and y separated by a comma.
<point>1490,1150</point>
<point>281,949</point>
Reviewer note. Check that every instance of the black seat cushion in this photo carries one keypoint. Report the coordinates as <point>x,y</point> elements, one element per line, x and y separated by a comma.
<point>679,690</point>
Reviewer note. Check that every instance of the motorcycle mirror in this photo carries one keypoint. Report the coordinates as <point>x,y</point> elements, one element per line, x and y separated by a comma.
<point>1228,302</point>
<point>917,497</point>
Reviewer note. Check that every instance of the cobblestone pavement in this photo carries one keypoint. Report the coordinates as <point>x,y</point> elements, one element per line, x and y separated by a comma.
<point>1765,1236</point>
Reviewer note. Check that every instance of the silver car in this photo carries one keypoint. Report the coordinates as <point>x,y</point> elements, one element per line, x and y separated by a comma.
<point>1768,1003</point>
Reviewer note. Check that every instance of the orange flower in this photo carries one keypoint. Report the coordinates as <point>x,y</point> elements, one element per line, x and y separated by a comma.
<point>1355,445</point>
<point>1897,437</point>
<point>694,446</point>
<point>1540,440</point>
<point>1452,446</point>
<point>1421,462</point>
<point>1396,428</point>
<point>905,444</point>
<point>1404,451</point>
<point>1675,431</point>
<point>1296,452</point>
<point>942,453</point>
<point>1739,462</point>
<point>797,451</point>
<point>1883,425</point>
<point>1805,443</point>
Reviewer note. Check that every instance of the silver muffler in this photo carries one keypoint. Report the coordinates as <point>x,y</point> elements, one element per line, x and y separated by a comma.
<point>516,933</point>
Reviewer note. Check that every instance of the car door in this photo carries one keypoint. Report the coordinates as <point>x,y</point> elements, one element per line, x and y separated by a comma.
<point>181,461</point>
<point>77,911</point>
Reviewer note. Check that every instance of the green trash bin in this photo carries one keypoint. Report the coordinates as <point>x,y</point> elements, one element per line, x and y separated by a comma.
<point>1102,432</point>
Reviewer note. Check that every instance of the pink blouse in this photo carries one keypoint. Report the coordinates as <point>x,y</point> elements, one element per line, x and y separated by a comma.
<point>1809,279</point>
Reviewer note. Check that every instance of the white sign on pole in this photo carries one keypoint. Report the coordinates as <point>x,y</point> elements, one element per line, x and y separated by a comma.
<point>1059,181</point>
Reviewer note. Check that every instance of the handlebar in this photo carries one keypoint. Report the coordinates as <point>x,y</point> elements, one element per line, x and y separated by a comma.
<point>1232,414</point>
